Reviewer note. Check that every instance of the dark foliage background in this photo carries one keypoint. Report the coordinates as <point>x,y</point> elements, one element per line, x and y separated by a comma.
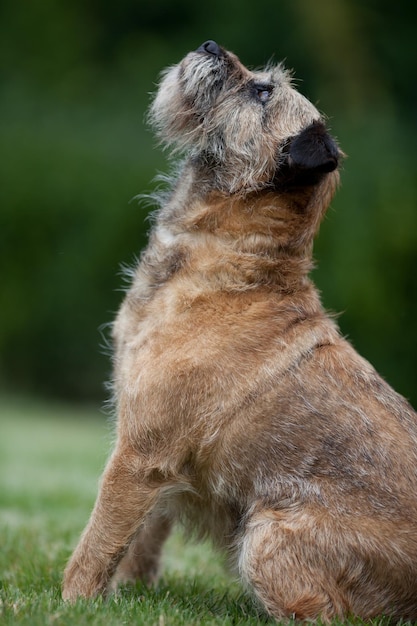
<point>75,79</point>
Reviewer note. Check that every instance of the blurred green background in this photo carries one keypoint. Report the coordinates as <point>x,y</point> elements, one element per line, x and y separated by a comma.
<point>75,82</point>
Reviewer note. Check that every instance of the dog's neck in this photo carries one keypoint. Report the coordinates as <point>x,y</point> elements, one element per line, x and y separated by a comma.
<point>264,223</point>
<point>233,242</point>
<point>239,242</point>
<point>268,221</point>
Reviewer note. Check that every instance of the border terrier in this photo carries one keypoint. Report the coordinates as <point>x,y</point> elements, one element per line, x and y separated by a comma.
<point>242,412</point>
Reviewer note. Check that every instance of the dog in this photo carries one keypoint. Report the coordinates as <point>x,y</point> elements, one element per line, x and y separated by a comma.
<point>242,412</point>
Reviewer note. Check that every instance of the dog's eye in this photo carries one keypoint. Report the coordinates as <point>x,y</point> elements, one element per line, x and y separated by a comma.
<point>263,92</point>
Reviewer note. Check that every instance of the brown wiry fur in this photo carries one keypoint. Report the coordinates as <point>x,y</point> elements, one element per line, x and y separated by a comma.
<point>241,410</point>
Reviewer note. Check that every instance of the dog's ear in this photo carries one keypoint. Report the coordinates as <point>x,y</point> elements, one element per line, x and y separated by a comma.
<point>306,158</point>
<point>313,150</point>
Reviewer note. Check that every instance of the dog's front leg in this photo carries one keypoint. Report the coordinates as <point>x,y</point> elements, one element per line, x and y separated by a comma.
<point>141,562</point>
<point>124,499</point>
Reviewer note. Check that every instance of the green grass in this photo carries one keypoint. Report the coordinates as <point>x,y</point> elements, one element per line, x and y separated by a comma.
<point>50,462</point>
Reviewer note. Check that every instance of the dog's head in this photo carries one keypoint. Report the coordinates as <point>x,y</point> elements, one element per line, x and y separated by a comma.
<point>251,129</point>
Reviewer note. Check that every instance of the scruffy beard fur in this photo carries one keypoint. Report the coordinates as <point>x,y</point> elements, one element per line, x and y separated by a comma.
<point>242,412</point>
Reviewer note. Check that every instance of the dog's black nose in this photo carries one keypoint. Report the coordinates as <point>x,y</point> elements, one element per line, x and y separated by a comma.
<point>210,47</point>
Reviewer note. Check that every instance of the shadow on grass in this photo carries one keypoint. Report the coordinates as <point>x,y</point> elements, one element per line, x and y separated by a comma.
<point>196,600</point>
<point>200,599</point>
